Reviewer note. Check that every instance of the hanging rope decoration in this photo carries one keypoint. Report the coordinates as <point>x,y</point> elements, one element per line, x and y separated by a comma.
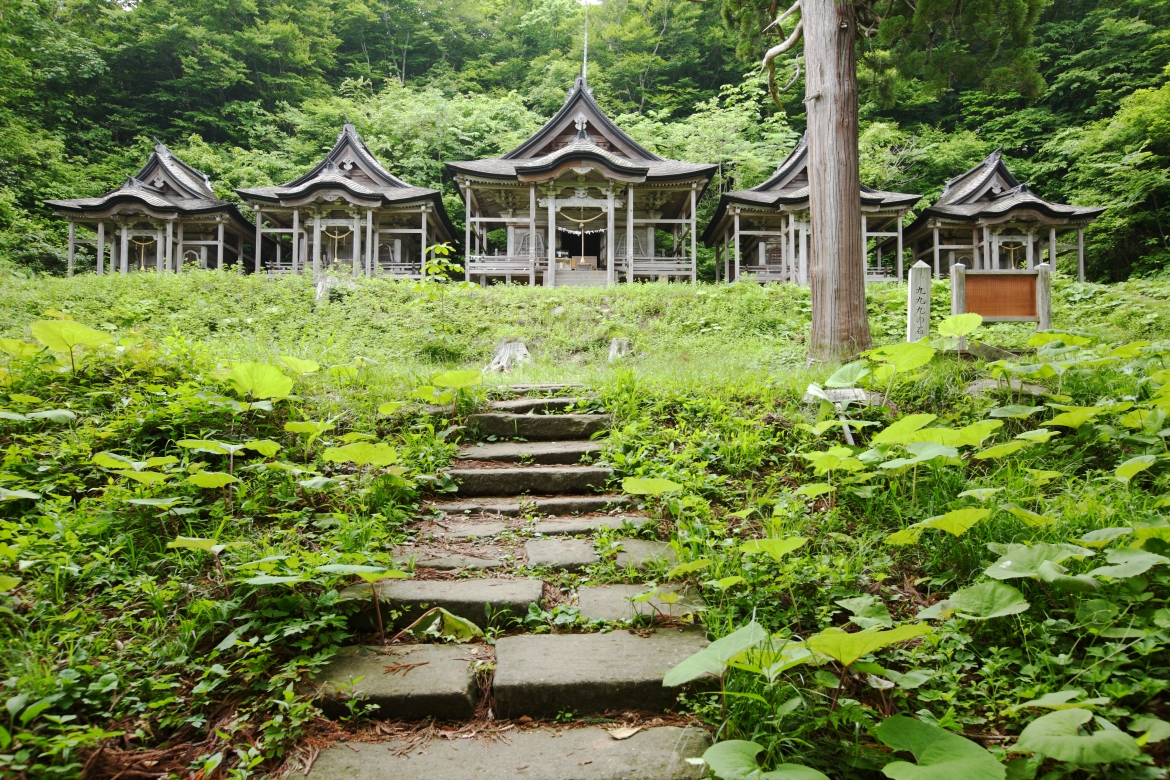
<point>142,245</point>
<point>336,237</point>
<point>580,220</point>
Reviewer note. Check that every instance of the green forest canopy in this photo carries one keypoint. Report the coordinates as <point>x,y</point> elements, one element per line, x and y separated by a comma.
<point>253,93</point>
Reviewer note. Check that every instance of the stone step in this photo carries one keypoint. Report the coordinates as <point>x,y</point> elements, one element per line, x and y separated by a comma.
<point>405,681</point>
<point>480,527</point>
<point>542,452</point>
<point>538,427</point>
<point>543,675</point>
<point>614,602</point>
<point>550,505</point>
<point>486,558</point>
<point>471,599</point>
<point>540,480</point>
<point>535,754</point>
<point>577,554</point>
<point>533,405</point>
<point>538,387</point>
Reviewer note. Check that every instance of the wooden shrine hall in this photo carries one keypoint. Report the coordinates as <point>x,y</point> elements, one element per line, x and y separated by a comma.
<point>162,218</point>
<point>763,233</point>
<point>988,221</point>
<point>348,215</point>
<point>580,203</point>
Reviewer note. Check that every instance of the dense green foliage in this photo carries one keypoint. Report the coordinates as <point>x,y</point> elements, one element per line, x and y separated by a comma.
<point>195,648</point>
<point>254,93</point>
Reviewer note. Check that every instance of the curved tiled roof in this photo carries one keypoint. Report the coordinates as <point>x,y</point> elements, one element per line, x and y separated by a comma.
<point>989,190</point>
<point>788,187</point>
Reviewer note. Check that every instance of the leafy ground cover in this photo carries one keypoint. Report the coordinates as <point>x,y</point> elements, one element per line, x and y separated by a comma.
<point>194,466</point>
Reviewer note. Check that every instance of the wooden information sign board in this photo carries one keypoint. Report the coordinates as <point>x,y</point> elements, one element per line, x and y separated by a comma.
<point>1004,296</point>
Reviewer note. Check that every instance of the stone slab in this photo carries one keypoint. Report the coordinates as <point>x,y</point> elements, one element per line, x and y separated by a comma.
<point>540,754</point>
<point>442,685</point>
<point>540,480</point>
<point>539,427</point>
<point>465,598</point>
<point>638,553</point>
<point>464,529</point>
<point>985,386</point>
<point>449,561</point>
<point>586,524</point>
<point>612,602</point>
<point>560,554</point>
<point>549,505</point>
<point>543,675</point>
<point>533,405</point>
<point>541,452</point>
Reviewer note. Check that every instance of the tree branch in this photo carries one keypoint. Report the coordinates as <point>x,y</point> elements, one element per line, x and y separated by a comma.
<point>776,51</point>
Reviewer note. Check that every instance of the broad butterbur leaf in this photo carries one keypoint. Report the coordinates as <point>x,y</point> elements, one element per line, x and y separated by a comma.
<point>1055,574</point>
<point>65,335</point>
<point>1016,411</point>
<point>814,489</point>
<point>314,429</point>
<point>205,445</point>
<point>270,579</point>
<point>939,753</point>
<point>900,431</point>
<point>144,477</point>
<point>649,486</point>
<point>19,349</point>
<point>735,759</point>
<point>903,357</point>
<point>687,568</point>
<point>438,622</point>
<point>362,453</point>
<point>956,522</point>
<point>211,479</point>
<point>60,416</point>
<point>299,366</point>
<point>1058,735</point>
<point>1029,518</point>
<point>264,447</point>
<point>849,648</point>
<point>1127,562</point>
<point>1024,561</point>
<point>848,375</point>
<point>1103,536</point>
<point>259,380</point>
<point>867,611</point>
<point>1040,435</point>
<point>959,325</point>
<point>1059,700</point>
<point>13,495</point>
<point>1126,471</point>
<point>1000,450</point>
<point>714,657</point>
<point>1151,729</point>
<point>457,380</point>
<point>774,548</point>
<point>8,583</point>
<point>982,601</point>
<point>1075,416</point>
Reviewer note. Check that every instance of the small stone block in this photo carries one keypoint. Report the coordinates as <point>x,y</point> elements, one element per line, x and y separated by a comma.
<point>466,598</point>
<point>413,681</point>
<point>638,553</point>
<point>541,675</point>
<point>560,554</point>
<point>451,562</point>
<point>612,602</point>
<point>468,530</point>
<point>571,526</point>
<point>539,754</point>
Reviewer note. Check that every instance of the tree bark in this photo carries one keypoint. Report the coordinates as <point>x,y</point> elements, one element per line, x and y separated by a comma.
<point>840,325</point>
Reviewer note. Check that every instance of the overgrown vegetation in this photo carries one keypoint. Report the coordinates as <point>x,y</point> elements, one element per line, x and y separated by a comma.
<point>184,497</point>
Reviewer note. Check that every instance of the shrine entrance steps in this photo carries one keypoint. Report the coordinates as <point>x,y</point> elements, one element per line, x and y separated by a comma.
<point>581,699</point>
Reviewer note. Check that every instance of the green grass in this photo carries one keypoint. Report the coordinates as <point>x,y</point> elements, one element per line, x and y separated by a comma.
<point>109,631</point>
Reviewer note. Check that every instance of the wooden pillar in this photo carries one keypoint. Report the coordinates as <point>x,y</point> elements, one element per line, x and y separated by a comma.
<point>995,252</point>
<point>726,256</point>
<point>179,248</point>
<point>355,263</point>
<point>532,237</point>
<point>101,248</point>
<point>72,249</point>
<point>259,240</point>
<point>1029,252</point>
<point>610,237</point>
<point>694,236</point>
<point>296,241</point>
<point>371,244</point>
<point>550,278</point>
<point>423,248</point>
<point>124,251</point>
<point>219,246</point>
<point>975,261</point>
<point>1044,296</point>
<point>630,234</point>
<point>864,246</point>
<point>316,246</point>
<point>158,249</point>
<point>804,256</point>
<point>1052,247</point>
<point>1080,254</point>
<point>735,247</point>
<point>937,270</point>
<point>169,257</point>
<point>986,253</point>
<point>467,249</point>
<point>901,278</point>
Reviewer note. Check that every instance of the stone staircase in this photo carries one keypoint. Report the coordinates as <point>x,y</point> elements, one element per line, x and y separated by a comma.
<point>528,507</point>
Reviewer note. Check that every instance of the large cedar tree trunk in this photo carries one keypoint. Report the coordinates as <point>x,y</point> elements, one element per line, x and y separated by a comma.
<point>840,326</point>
